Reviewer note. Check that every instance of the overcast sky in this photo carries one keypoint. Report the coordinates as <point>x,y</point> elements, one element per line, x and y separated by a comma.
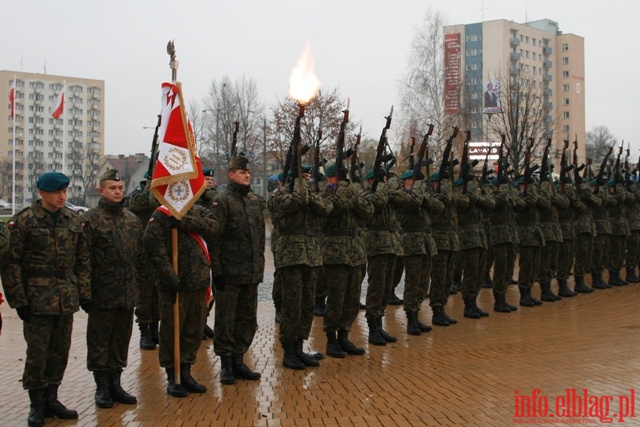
<point>358,45</point>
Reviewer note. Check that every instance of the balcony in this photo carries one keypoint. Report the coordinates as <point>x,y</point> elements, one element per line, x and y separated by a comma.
<point>547,64</point>
<point>515,56</point>
<point>515,71</point>
<point>547,77</point>
<point>515,41</point>
<point>548,105</point>
<point>548,119</point>
<point>548,92</point>
<point>547,50</point>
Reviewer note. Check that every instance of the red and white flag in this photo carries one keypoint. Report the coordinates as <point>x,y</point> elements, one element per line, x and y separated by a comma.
<point>12,100</point>
<point>177,179</point>
<point>58,107</point>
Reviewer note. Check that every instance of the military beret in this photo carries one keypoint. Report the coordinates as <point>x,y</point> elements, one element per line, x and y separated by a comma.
<point>407,174</point>
<point>239,162</point>
<point>330,170</point>
<point>458,182</point>
<point>593,182</point>
<point>435,176</point>
<point>52,181</point>
<point>519,180</point>
<point>307,168</point>
<point>495,181</point>
<point>147,175</point>
<point>110,175</point>
<point>208,172</point>
<point>281,177</point>
<point>611,183</point>
<point>369,175</point>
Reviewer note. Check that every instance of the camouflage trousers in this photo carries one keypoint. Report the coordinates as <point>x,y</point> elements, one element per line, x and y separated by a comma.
<point>600,256</point>
<point>108,336</point>
<point>503,266</point>
<point>583,253</point>
<point>276,290</point>
<point>633,246</point>
<point>192,312</point>
<point>441,277</point>
<point>380,272</point>
<point>298,298</point>
<point>617,248</point>
<point>417,271</point>
<point>473,264</point>
<point>564,260</point>
<point>548,261</point>
<point>321,283</point>
<point>490,259</point>
<point>48,342</point>
<point>529,265</point>
<point>148,306</point>
<point>236,319</point>
<point>398,270</point>
<point>343,298</point>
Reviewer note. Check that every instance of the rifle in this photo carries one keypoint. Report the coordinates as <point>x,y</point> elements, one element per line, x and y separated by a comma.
<point>464,163</point>
<point>528,169</point>
<point>340,169</point>
<point>502,163</point>
<point>618,175</point>
<point>544,170</point>
<point>564,168</point>
<point>587,175</point>
<point>444,164</point>
<point>293,162</point>
<point>422,152</point>
<point>627,172</point>
<point>354,157</point>
<point>380,151</point>
<point>484,177</point>
<point>603,165</point>
<point>154,148</point>
<point>317,163</point>
<point>576,171</point>
<point>411,148</point>
<point>234,141</point>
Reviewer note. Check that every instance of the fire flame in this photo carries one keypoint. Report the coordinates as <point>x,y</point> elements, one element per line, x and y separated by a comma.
<point>303,83</point>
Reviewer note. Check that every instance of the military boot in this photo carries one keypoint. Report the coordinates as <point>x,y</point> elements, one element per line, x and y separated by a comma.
<point>534,299</point>
<point>103,398</point>
<point>319,307</point>
<point>631,275</point>
<point>153,332</point>
<point>450,319</point>
<point>53,407</point>
<point>456,287</point>
<point>423,327</point>
<point>226,370</point>
<point>564,290</point>
<point>478,310</point>
<point>173,389</point>
<point>499,304</point>
<point>469,309</point>
<point>385,336</point>
<point>290,359</point>
<point>304,357</point>
<point>525,298</point>
<point>412,326</point>
<point>189,383</point>
<point>146,343</point>
<point>488,283</point>
<point>545,292</point>
<point>333,348</point>
<point>117,392</point>
<point>614,279</point>
<point>596,281</point>
<point>37,397</point>
<point>346,345</point>
<point>374,334</point>
<point>394,299</point>
<point>439,317</point>
<point>208,332</point>
<point>581,287</point>
<point>242,371</point>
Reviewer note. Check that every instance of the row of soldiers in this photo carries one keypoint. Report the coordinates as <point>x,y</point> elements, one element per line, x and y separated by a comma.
<point>109,264</point>
<point>439,230</point>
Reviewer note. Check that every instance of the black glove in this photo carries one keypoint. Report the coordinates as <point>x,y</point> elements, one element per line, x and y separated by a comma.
<point>218,282</point>
<point>24,313</point>
<point>173,288</point>
<point>86,305</point>
<point>172,222</point>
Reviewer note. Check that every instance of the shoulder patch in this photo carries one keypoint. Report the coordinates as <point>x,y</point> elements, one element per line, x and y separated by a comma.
<point>151,219</point>
<point>214,204</point>
<point>10,224</point>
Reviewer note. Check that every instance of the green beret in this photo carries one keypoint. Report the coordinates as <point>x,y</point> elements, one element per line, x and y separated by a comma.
<point>611,183</point>
<point>110,175</point>
<point>435,176</point>
<point>147,175</point>
<point>369,175</point>
<point>495,182</point>
<point>593,182</point>
<point>52,181</point>
<point>458,182</point>
<point>208,172</point>
<point>281,177</point>
<point>519,180</point>
<point>307,168</point>
<point>407,174</point>
<point>239,162</point>
<point>330,170</point>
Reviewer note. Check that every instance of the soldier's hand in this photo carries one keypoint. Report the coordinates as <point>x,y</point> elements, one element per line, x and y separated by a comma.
<point>86,305</point>
<point>172,222</point>
<point>218,282</point>
<point>24,313</point>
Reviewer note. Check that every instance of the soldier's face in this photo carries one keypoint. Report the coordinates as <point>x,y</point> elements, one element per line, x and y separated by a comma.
<point>113,191</point>
<point>53,200</point>
<point>208,182</point>
<point>240,177</point>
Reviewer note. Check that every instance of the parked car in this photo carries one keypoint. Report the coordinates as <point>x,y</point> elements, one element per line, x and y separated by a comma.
<point>5,205</point>
<point>77,209</point>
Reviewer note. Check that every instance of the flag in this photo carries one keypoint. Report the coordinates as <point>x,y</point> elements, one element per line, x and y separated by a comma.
<point>58,107</point>
<point>177,179</point>
<point>12,97</point>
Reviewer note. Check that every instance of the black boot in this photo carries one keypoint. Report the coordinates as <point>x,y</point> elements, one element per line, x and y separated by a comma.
<point>394,299</point>
<point>304,357</point>
<point>346,345</point>
<point>189,383</point>
<point>290,359</point>
<point>455,287</point>
<point>580,286</point>
<point>146,343</point>
<point>439,318</point>
<point>320,307</point>
<point>596,281</point>
<point>208,332</point>
<point>545,292</point>
<point>117,392</point>
<point>385,336</point>
<point>631,275</point>
<point>423,327</point>
<point>226,370</point>
<point>478,310</point>
<point>511,307</point>
<point>469,310</point>
<point>374,334</point>
<point>499,304</point>
<point>450,319</point>
<point>535,300</point>
<point>173,389</point>
<point>333,348</point>
<point>619,277</point>
<point>412,326</point>
<point>53,407</point>
<point>564,290</point>
<point>37,397</point>
<point>242,371</point>
<point>613,279</point>
<point>103,398</point>
<point>278,316</point>
<point>488,283</point>
<point>153,332</point>
<point>525,299</point>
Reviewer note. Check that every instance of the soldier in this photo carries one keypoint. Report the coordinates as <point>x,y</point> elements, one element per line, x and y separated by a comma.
<point>298,257</point>
<point>276,290</point>
<point>603,231</point>
<point>619,231</point>
<point>585,230</point>
<point>418,247</point>
<point>238,268</point>
<point>445,233</point>
<point>633,241</point>
<point>196,232</point>
<point>147,311</point>
<point>46,276</point>
<point>344,258</point>
<point>117,261</point>
<point>564,261</point>
<point>4,246</point>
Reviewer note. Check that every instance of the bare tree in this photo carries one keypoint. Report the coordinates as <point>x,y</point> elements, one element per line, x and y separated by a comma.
<point>599,139</point>
<point>84,164</point>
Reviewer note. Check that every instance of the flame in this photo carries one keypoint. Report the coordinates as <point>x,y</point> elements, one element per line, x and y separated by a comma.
<point>303,83</point>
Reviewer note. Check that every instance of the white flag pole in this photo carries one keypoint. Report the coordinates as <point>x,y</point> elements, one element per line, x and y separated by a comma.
<point>13,173</point>
<point>64,129</point>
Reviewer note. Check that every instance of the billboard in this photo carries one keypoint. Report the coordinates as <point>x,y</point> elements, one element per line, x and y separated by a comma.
<point>478,150</point>
<point>491,97</point>
<point>452,73</point>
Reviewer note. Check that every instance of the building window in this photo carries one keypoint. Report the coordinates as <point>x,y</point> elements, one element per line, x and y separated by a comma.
<point>565,114</point>
<point>565,88</point>
<point>565,47</point>
<point>565,128</point>
<point>565,60</point>
<point>565,101</point>
<point>565,74</point>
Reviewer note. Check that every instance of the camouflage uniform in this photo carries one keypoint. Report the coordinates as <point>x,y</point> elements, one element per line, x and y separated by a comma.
<point>633,241</point>
<point>207,197</point>
<point>600,255</point>
<point>276,290</point>
<point>619,230</point>
<point>47,268</point>
<point>117,260</point>
<point>564,261</point>
<point>585,230</point>
<point>4,239</point>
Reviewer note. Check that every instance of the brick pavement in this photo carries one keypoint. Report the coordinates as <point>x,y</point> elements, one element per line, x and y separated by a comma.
<point>466,374</point>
